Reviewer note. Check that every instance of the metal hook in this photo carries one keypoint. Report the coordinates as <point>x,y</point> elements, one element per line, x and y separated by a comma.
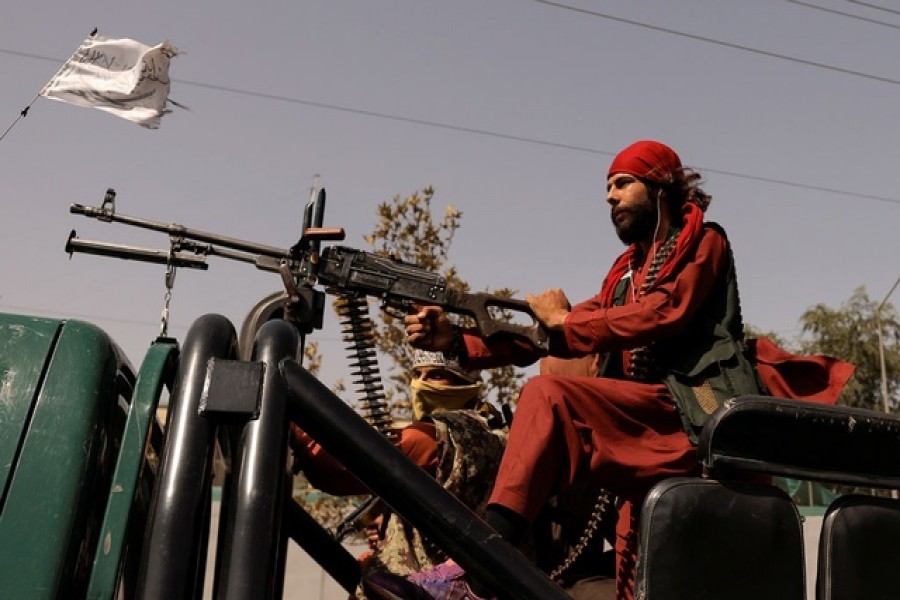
<point>170,283</point>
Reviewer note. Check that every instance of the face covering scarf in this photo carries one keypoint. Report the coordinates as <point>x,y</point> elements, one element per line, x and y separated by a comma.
<point>430,397</point>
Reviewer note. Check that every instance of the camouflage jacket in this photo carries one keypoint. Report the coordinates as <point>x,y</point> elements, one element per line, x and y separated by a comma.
<point>469,454</point>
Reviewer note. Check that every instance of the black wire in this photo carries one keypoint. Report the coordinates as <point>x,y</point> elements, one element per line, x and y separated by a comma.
<point>529,140</point>
<point>844,14</point>
<point>875,6</point>
<point>700,38</point>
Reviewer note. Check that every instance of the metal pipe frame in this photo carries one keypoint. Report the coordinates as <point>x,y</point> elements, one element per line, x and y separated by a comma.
<point>173,557</point>
<point>251,549</point>
<point>409,491</point>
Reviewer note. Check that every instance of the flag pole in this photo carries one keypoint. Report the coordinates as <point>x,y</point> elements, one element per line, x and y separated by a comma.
<point>24,112</point>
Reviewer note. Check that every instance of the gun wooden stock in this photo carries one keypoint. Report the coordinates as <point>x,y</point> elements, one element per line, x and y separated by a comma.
<point>478,305</point>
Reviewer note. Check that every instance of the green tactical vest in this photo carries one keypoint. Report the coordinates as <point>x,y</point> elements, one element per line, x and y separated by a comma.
<point>706,365</point>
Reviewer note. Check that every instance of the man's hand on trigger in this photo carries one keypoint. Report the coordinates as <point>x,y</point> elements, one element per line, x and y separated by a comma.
<point>428,328</point>
<point>550,308</point>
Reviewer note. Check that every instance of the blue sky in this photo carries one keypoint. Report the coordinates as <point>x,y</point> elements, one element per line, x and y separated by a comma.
<point>510,109</point>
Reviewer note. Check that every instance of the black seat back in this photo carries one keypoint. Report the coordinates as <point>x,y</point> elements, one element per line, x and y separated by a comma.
<point>858,549</point>
<point>714,540</point>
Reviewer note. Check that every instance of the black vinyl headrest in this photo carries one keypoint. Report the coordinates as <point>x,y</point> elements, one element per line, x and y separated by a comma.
<point>804,440</point>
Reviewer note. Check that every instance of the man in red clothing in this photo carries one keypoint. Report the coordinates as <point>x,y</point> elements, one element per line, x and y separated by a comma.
<point>668,306</point>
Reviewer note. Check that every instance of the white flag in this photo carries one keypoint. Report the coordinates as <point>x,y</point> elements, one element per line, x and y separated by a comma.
<point>121,76</point>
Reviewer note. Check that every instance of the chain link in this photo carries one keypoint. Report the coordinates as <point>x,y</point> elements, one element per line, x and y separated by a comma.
<point>593,524</point>
<point>167,299</point>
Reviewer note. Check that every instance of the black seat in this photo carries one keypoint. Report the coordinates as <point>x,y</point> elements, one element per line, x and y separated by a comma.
<point>710,539</point>
<point>717,540</point>
<point>858,549</point>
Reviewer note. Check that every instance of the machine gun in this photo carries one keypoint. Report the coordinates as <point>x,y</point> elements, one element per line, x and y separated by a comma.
<point>339,269</point>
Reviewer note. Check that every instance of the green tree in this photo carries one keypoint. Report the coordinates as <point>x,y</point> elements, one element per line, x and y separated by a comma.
<point>408,230</point>
<point>851,333</point>
<point>751,331</point>
<point>312,360</point>
<point>328,510</point>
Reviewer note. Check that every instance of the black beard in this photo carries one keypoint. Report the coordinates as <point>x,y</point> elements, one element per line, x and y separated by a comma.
<point>639,225</point>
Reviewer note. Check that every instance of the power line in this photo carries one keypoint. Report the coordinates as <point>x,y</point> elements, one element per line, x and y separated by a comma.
<point>805,186</point>
<point>844,14</point>
<point>380,115</point>
<point>58,61</point>
<point>105,318</point>
<point>485,132</point>
<point>700,38</point>
<point>74,315</point>
<point>875,6</point>
<point>518,138</point>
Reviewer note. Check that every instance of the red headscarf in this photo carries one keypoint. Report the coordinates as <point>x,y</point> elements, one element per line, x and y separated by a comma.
<point>647,159</point>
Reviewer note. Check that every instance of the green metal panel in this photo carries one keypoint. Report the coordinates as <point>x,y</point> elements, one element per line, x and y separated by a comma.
<point>49,521</point>
<point>121,512</point>
<point>25,344</point>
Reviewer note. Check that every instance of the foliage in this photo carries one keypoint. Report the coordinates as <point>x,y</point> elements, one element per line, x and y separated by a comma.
<point>852,333</point>
<point>407,230</point>
<point>312,360</point>
<point>751,331</point>
<point>329,511</point>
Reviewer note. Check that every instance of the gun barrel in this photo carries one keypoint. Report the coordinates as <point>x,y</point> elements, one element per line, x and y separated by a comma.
<point>178,259</point>
<point>180,231</point>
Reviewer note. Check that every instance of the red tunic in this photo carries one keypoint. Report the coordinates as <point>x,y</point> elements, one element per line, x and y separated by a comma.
<point>596,326</point>
<point>623,434</point>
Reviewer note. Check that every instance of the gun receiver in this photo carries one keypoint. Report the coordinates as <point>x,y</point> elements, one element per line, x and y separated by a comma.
<point>401,285</point>
<point>398,284</point>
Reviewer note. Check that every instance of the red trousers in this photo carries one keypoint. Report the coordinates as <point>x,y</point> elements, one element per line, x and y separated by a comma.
<point>624,435</point>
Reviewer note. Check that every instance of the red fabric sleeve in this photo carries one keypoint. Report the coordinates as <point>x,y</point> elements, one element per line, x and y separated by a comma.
<point>323,471</point>
<point>593,327</point>
<point>499,351</point>
<point>666,310</point>
<point>418,442</point>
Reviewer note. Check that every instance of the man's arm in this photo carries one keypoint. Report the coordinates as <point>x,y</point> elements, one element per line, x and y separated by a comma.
<point>430,329</point>
<point>591,327</point>
<point>665,311</point>
<point>416,441</point>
